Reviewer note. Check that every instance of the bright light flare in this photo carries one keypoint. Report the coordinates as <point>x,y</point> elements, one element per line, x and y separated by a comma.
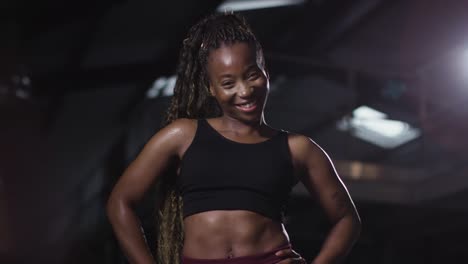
<point>242,5</point>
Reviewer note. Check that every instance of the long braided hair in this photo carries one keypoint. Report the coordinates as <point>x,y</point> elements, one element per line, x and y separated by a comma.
<point>192,99</point>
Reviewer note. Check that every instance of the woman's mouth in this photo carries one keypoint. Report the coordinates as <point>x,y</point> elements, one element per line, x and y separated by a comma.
<point>249,106</point>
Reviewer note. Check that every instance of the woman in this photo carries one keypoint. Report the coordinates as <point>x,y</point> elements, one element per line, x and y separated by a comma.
<point>232,171</point>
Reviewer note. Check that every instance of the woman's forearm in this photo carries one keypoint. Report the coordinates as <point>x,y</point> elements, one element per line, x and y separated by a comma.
<point>128,231</point>
<point>339,241</point>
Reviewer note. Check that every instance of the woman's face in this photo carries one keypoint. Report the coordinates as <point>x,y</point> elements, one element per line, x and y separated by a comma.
<point>238,81</point>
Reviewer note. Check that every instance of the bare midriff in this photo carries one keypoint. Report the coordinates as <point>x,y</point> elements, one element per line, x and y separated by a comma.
<point>231,233</point>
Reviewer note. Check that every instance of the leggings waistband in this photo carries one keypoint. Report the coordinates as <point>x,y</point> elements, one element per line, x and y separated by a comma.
<point>268,257</point>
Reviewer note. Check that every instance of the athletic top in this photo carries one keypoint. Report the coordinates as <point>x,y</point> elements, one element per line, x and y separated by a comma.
<point>220,174</point>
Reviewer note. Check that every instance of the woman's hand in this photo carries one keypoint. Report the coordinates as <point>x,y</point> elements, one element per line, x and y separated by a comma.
<point>292,257</point>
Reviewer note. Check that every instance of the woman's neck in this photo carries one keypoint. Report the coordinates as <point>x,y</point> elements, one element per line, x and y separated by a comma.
<point>244,128</point>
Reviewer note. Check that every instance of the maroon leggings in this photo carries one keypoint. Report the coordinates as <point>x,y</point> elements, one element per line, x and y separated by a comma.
<point>262,258</point>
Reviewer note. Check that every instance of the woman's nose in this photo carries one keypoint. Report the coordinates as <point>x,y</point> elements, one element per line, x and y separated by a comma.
<point>246,91</point>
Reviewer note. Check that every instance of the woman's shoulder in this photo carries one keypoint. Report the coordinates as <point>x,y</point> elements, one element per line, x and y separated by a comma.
<point>296,138</point>
<point>181,133</point>
<point>302,146</point>
<point>181,128</point>
<point>175,134</point>
<point>183,124</point>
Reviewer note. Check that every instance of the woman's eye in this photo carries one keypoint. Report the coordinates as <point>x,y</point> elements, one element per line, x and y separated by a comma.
<point>227,83</point>
<point>253,75</point>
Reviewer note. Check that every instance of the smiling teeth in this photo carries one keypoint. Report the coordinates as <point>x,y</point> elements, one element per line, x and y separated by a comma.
<point>248,104</point>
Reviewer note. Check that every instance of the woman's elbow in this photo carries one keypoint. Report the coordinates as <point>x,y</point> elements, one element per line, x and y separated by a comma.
<point>116,206</point>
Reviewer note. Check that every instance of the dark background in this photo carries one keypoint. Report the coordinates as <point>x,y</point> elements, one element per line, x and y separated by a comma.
<point>74,112</point>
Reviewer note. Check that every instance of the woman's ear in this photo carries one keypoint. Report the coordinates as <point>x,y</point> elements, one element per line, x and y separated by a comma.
<point>211,89</point>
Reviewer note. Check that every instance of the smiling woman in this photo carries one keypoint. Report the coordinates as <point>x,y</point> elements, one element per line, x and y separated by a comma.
<point>239,83</point>
<point>224,172</point>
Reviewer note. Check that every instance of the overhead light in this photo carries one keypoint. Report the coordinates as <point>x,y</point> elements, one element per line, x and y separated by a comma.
<point>162,87</point>
<point>373,126</point>
<point>365,112</point>
<point>241,5</point>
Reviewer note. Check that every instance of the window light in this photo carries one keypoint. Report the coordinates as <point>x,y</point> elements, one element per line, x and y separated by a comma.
<point>373,126</point>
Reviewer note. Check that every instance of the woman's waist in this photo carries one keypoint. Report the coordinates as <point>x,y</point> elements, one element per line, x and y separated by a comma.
<point>223,234</point>
<point>264,257</point>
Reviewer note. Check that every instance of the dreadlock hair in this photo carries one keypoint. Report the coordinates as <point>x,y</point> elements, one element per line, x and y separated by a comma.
<point>192,99</point>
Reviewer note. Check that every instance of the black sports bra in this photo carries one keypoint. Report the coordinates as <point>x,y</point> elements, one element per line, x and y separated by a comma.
<point>220,174</point>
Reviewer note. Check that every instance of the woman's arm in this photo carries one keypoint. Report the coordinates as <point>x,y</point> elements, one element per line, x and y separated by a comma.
<point>320,178</point>
<point>158,155</point>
